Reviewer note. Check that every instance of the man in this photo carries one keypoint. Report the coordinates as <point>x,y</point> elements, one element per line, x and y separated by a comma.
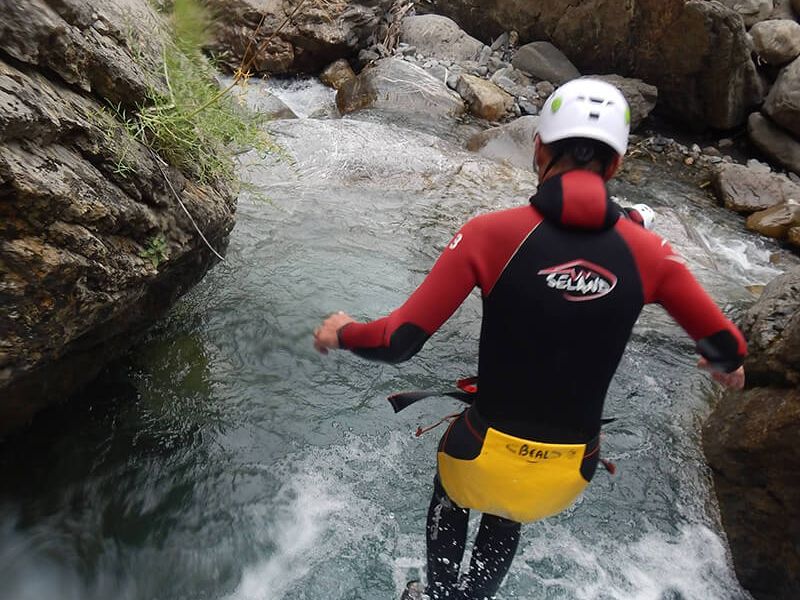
<point>563,280</point>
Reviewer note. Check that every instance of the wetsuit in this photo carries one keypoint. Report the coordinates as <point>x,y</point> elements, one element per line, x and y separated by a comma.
<point>563,281</point>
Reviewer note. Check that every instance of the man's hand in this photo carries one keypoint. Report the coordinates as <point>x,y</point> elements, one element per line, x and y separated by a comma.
<point>326,335</point>
<point>733,380</point>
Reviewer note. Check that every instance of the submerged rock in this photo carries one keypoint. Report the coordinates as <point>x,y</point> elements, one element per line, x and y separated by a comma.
<point>395,85</point>
<point>511,143</point>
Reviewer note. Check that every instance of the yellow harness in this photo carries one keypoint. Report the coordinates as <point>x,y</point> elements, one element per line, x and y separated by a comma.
<point>518,479</point>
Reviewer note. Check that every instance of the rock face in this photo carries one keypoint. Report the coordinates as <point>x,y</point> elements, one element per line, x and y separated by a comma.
<point>316,35</point>
<point>93,245</point>
<point>697,53</point>
<point>750,441</point>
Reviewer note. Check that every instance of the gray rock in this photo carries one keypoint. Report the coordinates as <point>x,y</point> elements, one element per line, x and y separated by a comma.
<point>751,11</point>
<point>774,141</point>
<point>440,37</point>
<point>500,42</point>
<point>783,9</point>
<point>511,143</point>
<point>485,55</point>
<point>544,61</point>
<point>777,42</point>
<point>641,96</point>
<point>747,190</point>
<point>545,88</point>
<point>397,86</point>
<point>527,107</point>
<point>783,102</point>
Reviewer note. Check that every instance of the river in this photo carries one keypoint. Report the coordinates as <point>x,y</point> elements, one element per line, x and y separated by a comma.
<point>222,458</point>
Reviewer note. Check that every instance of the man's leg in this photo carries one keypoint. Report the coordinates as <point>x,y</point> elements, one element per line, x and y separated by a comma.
<point>495,547</point>
<point>446,535</point>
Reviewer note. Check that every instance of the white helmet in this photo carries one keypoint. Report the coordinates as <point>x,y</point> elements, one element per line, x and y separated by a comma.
<point>647,214</point>
<point>586,108</point>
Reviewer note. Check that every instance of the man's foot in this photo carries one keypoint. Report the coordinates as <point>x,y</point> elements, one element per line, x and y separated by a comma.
<point>414,591</point>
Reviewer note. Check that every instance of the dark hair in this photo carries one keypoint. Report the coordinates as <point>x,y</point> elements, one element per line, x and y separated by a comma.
<point>582,151</point>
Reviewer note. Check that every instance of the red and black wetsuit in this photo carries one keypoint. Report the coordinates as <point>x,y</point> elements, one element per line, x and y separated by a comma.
<point>563,281</point>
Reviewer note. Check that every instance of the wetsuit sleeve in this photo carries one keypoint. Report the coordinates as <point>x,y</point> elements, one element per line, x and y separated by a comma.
<point>718,340</point>
<point>402,334</point>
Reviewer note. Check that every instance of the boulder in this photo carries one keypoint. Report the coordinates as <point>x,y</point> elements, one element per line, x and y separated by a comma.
<point>485,99</point>
<point>439,37</point>
<point>750,442</point>
<point>777,42</point>
<point>783,10</point>
<point>511,143</point>
<point>783,102</point>
<point>772,327</point>
<point>641,97</point>
<point>94,246</point>
<point>394,85</point>
<point>776,221</point>
<point>259,33</point>
<point>696,53</point>
<point>751,11</point>
<point>774,141</point>
<point>748,190</point>
<point>544,61</point>
<point>793,237</point>
<point>337,74</point>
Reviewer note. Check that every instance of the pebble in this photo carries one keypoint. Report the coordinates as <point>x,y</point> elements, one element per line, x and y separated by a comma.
<point>452,80</point>
<point>725,143</point>
<point>528,107</point>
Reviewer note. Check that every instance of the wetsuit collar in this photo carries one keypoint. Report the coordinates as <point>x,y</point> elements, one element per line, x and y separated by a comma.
<point>576,200</point>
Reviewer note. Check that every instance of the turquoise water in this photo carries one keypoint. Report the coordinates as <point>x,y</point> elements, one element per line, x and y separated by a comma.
<point>224,459</point>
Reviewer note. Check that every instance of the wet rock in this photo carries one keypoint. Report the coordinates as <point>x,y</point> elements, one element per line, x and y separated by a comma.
<point>748,190</point>
<point>695,52</point>
<point>776,221</point>
<point>440,37</point>
<point>314,37</point>
<point>511,143</point>
<point>783,101</point>
<point>641,96</point>
<point>259,100</point>
<point>544,61</point>
<point>93,244</point>
<point>777,42</point>
<point>772,326</point>
<point>337,74</point>
<point>485,99</point>
<point>750,441</point>
<point>774,141</point>
<point>752,11</point>
<point>395,85</point>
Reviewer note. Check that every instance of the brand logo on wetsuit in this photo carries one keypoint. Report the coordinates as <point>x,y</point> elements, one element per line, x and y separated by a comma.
<point>580,280</point>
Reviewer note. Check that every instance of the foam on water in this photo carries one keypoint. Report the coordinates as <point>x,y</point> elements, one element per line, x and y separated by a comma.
<point>690,564</point>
